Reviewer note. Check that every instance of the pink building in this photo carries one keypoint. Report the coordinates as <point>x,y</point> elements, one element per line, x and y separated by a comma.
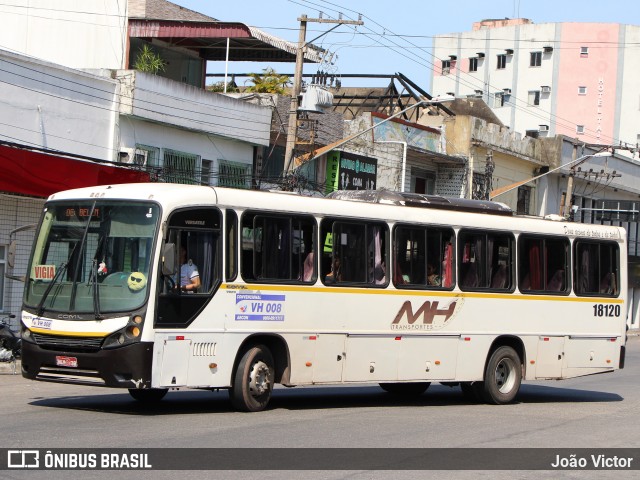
<point>576,79</point>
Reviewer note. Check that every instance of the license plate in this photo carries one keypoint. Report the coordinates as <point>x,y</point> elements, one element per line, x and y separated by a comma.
<point>66,361</point>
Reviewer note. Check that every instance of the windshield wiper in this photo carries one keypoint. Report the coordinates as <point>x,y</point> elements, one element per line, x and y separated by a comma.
<point>61,268</point>
<point>96,290</point>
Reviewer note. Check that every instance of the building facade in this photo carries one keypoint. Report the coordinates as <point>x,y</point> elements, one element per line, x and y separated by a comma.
<point>573,79</point>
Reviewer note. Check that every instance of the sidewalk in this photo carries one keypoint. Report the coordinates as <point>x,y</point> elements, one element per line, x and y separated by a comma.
<point>7,368</point>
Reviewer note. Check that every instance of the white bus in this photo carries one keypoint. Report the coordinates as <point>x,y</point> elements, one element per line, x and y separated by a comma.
<point>396,289</point>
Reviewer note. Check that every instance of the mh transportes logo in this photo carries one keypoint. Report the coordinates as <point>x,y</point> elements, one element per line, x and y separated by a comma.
<point>23,459</point>
<point>431,315</point>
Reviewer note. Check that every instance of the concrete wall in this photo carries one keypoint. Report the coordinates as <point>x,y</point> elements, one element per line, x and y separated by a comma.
<point>61,30</point>
<point>57,108</point>
<point>182,106</point>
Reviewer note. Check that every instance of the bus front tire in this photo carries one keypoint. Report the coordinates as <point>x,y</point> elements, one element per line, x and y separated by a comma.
<point>502,377</point>
<point>148,395</point>
<point>408,389</point>
<point>253,380</point>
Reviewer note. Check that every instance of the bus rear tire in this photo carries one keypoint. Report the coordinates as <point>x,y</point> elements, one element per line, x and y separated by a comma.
<point>502,377</point>
<point>408,389</point>
<point>148,395</point>
<point>253,380</point>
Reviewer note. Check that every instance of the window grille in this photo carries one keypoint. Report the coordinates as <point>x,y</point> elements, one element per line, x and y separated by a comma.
<point>180,167</point>
<point>146,156</point>
<point>234,174</point>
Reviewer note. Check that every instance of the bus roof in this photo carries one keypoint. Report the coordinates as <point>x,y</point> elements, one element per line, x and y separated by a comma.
<point>381,205</point>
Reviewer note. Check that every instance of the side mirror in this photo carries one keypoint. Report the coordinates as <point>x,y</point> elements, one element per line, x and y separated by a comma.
<point>11,254</point>
<point>169,259</point>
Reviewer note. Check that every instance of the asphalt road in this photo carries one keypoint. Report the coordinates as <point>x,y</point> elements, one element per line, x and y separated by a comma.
<point>599,411</point>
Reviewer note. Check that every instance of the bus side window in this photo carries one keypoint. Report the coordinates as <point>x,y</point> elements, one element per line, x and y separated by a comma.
<point>278,247</point>
<point>486,260</point>
<point>596,268</point>
<point>423,256</point>
<point>354,252</point>
<point>543,264</point>
<point>231,242</point>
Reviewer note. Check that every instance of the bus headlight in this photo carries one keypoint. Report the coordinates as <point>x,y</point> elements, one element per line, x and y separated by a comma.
<point>129,334</point>
<point>25,334</point>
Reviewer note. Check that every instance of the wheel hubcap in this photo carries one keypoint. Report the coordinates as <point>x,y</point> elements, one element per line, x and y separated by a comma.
<point>505,376</point>
<point>259,379</point>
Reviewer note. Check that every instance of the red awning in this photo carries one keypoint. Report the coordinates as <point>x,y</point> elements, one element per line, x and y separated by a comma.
<point>40,174</point>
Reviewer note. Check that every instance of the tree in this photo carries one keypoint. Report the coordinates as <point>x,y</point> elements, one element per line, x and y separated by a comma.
<point>149,61</point>
<point>268,82</point>
<point>219,87</point>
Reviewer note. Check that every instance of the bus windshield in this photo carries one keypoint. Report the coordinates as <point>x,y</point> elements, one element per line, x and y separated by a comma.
<point>92,257</point>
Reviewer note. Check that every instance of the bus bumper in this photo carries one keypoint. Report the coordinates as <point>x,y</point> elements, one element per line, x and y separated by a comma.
<point>125,367</point>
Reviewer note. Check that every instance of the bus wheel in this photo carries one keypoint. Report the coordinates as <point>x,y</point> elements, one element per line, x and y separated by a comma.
<point>253,380</point>
<point>148,395</point>
<point>502,377</point>
<point>408,389</point>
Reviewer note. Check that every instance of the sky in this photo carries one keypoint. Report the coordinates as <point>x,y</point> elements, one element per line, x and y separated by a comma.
<point>396,36</point>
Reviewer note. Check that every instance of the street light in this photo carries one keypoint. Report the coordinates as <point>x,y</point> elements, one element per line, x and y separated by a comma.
<point>574,163</point>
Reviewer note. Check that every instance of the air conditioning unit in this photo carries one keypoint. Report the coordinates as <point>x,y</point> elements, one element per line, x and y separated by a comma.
<point>545,89</point>
<point>548,49</point>
<point>507,91</point>
<point>543,128</point>
<point>316,99</point>
<point>509,51</point>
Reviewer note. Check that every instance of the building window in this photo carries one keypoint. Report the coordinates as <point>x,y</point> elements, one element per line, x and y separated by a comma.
<point>580,129</point>
<point>473,64</point>
<point>424,182</point>
<point>446,67</point>
<point>147,156</point>
<point>499,99</point>
<point>534,97</point>
<point>234,174</point>
<point>180,167</point>
<point>536,59</point>
<point>502,61</point>
<point>524,200</point>
<point>582,90</point>
<point>584,52</point>
<point>205,172</point>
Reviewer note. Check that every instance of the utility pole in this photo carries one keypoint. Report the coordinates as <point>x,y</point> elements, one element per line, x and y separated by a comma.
<point>292,131</point>
<point>565,209</point>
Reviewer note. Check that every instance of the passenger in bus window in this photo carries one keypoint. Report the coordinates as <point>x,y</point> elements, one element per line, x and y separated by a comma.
<point>335,275</point>
<point>189,275</point>
<point>433,278</point>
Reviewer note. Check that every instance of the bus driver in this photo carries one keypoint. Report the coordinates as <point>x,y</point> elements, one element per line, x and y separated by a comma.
<point>189,275</point>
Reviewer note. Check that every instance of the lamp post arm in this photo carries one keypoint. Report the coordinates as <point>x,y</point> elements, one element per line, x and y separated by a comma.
<point>513,186</point>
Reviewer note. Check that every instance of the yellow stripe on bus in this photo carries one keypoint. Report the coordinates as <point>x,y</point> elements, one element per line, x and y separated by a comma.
<point>69,334</point>
<point>421,293</point>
